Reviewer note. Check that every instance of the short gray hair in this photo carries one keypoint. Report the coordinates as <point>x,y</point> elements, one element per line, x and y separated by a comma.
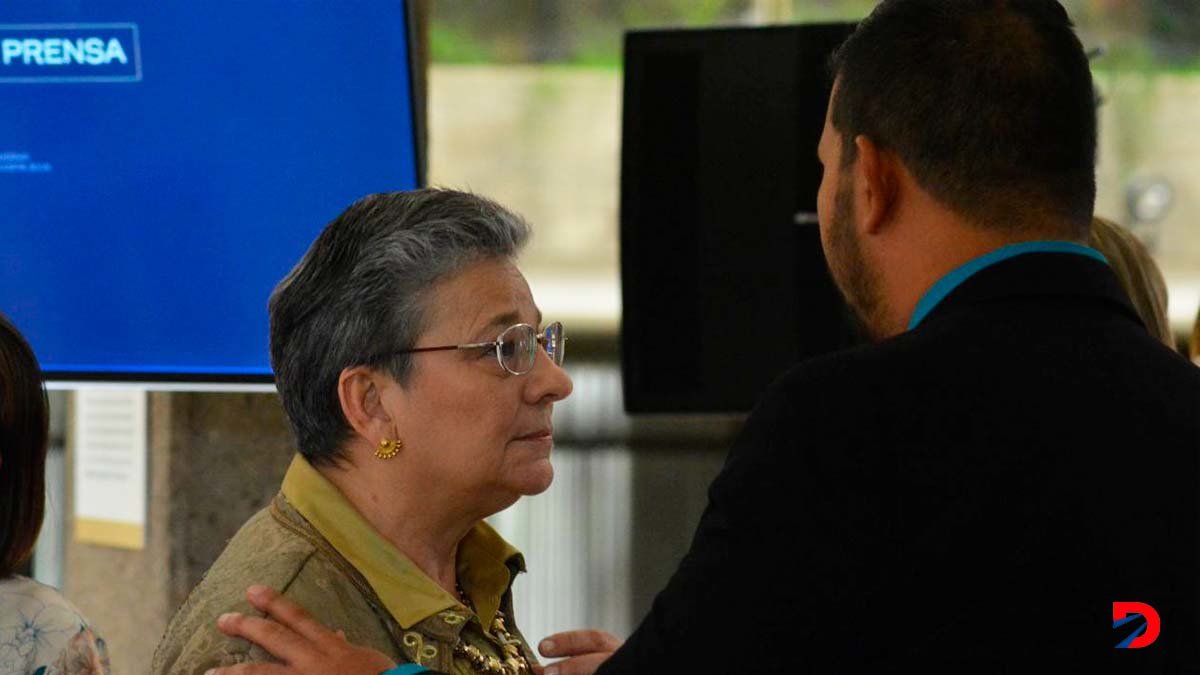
<point>359,294</point>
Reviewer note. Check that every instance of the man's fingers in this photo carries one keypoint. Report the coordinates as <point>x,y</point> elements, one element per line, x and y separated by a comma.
<point>273,604</point>
<point>249,669</point>
<point>280,641</point>
<point>577,642</point>
<point>580,665</point>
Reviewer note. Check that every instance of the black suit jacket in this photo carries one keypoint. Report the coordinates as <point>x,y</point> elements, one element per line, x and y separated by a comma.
<point>973,494</point>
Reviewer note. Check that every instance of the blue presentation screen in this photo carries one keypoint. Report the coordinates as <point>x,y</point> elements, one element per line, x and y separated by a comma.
<point>164,164</point>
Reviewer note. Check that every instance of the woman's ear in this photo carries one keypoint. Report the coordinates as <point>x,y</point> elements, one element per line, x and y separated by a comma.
<point>875,185</point>
<point>360,392</point>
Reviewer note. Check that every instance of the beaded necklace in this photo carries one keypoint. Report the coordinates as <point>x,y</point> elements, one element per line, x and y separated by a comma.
<point>514,662</point>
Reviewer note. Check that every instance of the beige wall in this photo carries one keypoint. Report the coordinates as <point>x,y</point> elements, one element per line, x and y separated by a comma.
<point>214,459</point>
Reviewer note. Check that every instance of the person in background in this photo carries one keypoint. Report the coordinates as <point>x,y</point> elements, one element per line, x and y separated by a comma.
<point>41,633</point>
<point>419,380</point>
<point>1194,342</point>
<point>1139,275</point>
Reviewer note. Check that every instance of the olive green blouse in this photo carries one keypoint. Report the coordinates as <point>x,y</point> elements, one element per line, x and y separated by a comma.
<point>318,551</point>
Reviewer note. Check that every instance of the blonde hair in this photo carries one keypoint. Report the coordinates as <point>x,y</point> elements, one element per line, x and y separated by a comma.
<point>1138,274</point>
<point>1194,344</point>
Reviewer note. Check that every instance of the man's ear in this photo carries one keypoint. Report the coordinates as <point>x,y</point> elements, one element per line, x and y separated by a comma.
<point>876,185</point>
<point>360,392</point>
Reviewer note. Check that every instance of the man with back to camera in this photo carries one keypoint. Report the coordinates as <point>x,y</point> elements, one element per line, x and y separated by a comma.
<point>1013,456</point>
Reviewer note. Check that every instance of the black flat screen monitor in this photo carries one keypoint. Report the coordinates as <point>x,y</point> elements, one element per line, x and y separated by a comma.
<point>723,280</point>
<point>164,164</point>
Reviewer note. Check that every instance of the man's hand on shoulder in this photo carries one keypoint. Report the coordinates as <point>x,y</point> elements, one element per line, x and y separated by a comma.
<point>300,642</point>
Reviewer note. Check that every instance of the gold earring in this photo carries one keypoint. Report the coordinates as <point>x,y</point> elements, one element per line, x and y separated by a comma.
<point>388,449</point>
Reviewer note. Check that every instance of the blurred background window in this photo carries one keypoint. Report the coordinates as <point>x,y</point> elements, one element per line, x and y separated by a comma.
<point>1147,67</point>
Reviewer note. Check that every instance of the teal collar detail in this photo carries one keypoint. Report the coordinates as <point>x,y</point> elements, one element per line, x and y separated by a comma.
<point>944,286</point>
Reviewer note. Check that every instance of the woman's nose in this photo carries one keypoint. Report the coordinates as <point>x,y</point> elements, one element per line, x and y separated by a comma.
<point>548,381</point>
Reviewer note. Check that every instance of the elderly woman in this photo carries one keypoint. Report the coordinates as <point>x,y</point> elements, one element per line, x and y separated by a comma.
<point>419,381</point>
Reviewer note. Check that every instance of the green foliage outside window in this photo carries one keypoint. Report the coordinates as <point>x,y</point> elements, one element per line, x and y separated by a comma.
<point>1137,35</point>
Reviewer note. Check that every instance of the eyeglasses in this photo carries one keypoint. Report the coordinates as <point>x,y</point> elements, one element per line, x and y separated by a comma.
<point>516,347</point>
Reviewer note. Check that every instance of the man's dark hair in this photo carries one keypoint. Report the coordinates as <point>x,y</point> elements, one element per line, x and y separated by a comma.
<point>24,433</point>
<point>989,103</point>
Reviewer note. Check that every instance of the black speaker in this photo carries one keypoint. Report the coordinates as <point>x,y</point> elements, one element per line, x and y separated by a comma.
<point>723,280</point>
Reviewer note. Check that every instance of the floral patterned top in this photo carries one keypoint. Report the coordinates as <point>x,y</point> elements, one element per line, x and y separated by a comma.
<point>43,634</point>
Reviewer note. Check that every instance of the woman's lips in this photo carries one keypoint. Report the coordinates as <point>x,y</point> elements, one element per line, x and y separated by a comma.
<point>539,435</point>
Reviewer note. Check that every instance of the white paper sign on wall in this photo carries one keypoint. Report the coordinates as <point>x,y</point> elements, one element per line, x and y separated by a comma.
<point>110,467</point>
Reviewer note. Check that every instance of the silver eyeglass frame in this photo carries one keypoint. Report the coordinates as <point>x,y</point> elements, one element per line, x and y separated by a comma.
<point>539,337</point>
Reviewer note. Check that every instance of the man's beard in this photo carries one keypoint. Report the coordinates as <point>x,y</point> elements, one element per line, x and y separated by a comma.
<point>857,281</point>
